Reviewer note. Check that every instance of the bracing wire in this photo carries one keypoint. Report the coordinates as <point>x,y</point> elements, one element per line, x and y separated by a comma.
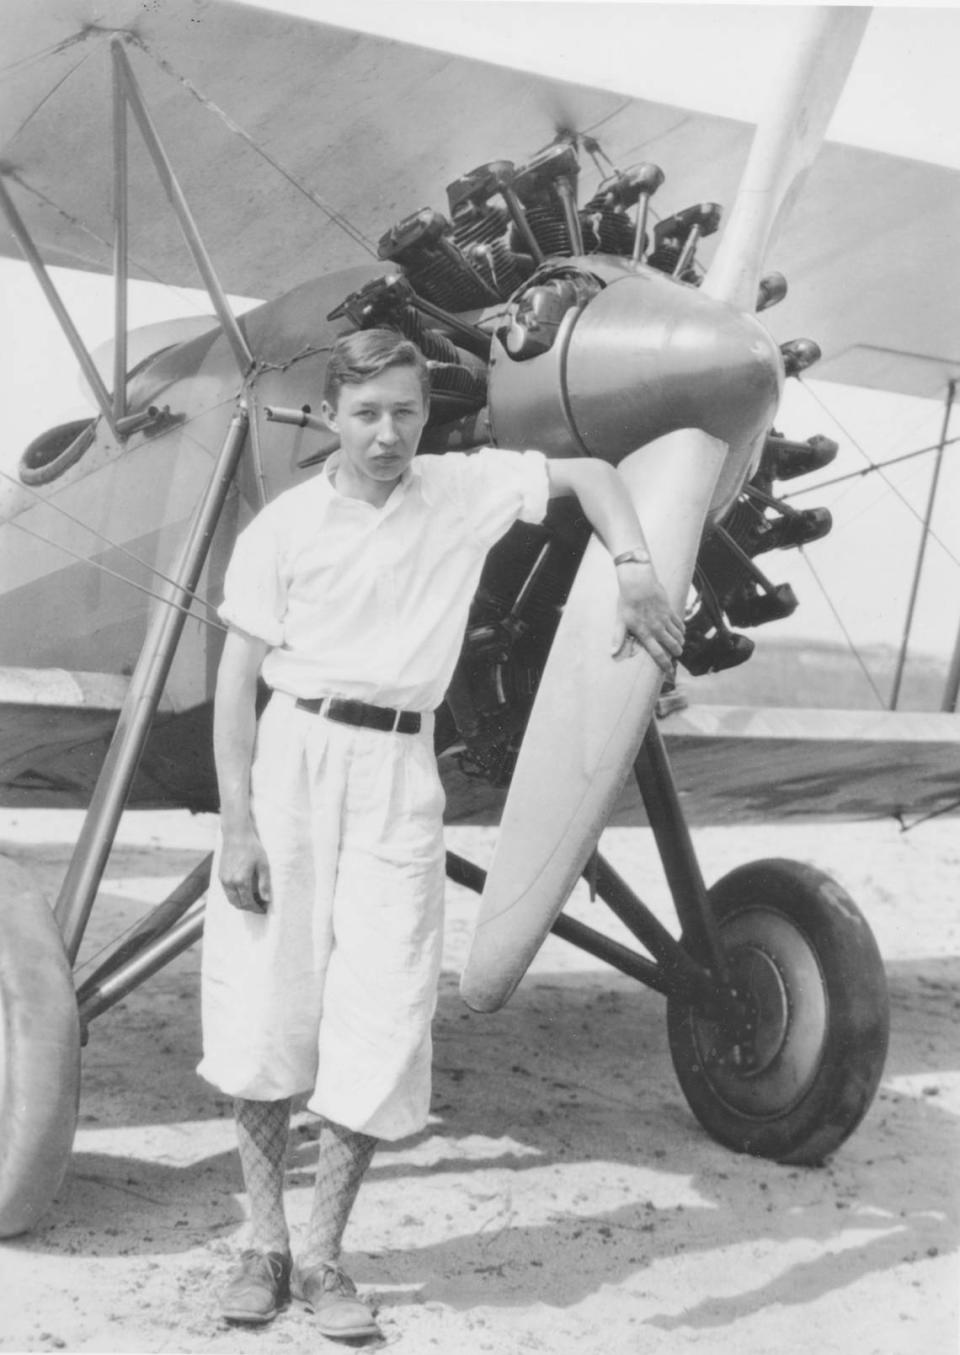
<point>54,49</point>
<point>868,470</point>
<point>878,467</point>
<point>332,215</point>
<point>114,545</point>
<point>864,509</point>
<point>42,197</point>
<point>931,814</point>
<point>123,578</point>
<point>115,942</point>
<point>601,122</point>
<point>846,634</point>
<point>49,95</point>
<point>190,298</point>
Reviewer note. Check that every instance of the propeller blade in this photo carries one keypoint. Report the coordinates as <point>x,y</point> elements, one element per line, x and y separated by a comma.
<point>587,723</point>
<point>785,145</point>
<point>591,711</point>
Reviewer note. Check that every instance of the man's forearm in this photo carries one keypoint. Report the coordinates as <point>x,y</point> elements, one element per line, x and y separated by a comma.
<point>234,729</point>
<point>604,499</point>
<point>644,610</point>
<point>244,869</point>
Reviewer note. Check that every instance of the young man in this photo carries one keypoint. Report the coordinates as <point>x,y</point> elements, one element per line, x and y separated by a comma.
<point>350,594</point>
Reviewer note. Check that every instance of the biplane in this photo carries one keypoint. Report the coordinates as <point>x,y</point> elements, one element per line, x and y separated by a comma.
<point>567,296</point>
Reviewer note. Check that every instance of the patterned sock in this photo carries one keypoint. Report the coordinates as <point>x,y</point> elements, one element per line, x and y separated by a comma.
<point>262,1131</point>
<point>342,1160</point>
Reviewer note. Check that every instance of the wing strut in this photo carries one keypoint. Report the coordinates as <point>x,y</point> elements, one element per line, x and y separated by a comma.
<point>126,93</point>
<point>32,255</point>
<point>921,551</point>
<point>82,880</point>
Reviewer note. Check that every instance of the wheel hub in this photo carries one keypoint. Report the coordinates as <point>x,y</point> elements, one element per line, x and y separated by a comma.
<point>762,1062</point>
<point>759,988</point>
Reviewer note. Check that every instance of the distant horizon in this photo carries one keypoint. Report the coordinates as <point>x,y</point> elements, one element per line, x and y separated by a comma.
<point>826,674</point>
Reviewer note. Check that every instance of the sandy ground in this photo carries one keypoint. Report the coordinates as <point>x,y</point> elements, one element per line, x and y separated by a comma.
<point>563,1198</point>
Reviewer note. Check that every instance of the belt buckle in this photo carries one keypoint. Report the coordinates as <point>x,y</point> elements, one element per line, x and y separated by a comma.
<point>397,714</point>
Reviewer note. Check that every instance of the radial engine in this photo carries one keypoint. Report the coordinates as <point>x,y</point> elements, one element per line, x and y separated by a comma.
<point>580,329</point>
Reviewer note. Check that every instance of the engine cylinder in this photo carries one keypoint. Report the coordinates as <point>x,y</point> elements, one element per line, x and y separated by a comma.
<point>499,265</point>
<point>615,231</point>
<point>546,220</point>
<point>423,244</point>
<point>476,223</point>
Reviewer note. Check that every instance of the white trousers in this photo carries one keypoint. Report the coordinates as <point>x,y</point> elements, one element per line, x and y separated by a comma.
<point>333,989</point>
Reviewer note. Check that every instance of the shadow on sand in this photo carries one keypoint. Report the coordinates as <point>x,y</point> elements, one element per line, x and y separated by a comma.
<point>574,1072</point>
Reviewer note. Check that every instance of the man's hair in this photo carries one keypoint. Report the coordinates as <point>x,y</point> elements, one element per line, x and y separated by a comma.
<point>364,354</point>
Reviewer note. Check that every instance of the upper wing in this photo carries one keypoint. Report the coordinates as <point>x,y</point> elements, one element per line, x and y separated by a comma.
<point>299,144</point>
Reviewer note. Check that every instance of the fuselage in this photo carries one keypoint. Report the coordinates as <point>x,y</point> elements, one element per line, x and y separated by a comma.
<point>635,355</point>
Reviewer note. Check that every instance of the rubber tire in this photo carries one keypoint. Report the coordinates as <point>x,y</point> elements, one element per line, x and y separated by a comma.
<point>39,1056</point>
<point>797,940</point>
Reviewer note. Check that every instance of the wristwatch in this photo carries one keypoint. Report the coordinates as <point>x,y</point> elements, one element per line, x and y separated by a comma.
<point>636,556</point>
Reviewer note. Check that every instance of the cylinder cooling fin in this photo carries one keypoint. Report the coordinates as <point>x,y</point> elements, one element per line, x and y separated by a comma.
<point>425,245</point>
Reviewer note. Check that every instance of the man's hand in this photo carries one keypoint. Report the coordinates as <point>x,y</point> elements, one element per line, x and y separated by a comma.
<point>644,615</point>
<point>244,872</point>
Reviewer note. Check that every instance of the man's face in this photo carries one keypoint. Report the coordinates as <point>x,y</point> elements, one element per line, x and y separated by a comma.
<point>379,423</point>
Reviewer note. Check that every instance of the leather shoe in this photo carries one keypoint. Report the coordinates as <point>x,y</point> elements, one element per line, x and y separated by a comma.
<point>258,1288</point>
<point>332,1298</point>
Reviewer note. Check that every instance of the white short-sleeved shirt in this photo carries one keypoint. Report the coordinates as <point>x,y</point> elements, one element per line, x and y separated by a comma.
<point>372,603</point>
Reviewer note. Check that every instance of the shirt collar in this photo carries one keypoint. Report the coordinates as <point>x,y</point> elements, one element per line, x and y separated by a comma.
<point>411,480</point>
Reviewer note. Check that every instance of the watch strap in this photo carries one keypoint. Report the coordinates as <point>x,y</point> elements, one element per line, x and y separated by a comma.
<point>635,556</point>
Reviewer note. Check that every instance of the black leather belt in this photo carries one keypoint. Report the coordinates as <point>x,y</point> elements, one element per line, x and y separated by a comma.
<point>360,713</point>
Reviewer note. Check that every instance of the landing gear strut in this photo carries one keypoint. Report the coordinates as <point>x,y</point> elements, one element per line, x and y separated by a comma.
<point>777,1009</point>
<point>39,1015</point>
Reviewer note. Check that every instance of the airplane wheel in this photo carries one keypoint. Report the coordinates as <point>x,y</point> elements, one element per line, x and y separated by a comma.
<point>39,1059</point>
<point>795,1076</point>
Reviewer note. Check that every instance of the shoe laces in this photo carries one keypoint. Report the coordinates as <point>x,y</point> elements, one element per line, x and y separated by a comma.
<point>257,1262</point>
<point>335,1281</point>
